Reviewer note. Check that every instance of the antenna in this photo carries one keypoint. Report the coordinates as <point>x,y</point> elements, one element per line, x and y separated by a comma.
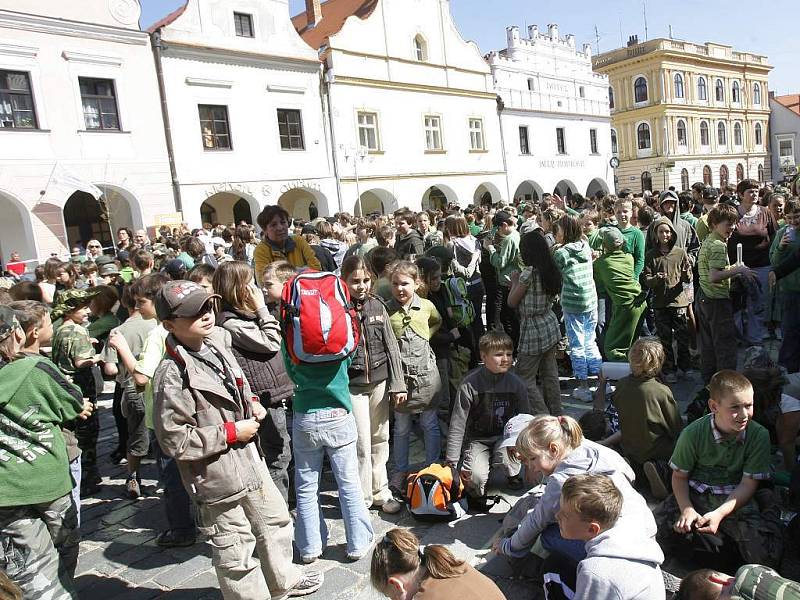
<point>644,12</point>
<point>670,32</point>
<point>621,39</point>
<point>597,39</point>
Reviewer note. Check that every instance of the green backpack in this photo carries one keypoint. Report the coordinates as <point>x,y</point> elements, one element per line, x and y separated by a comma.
<point>459,307</point>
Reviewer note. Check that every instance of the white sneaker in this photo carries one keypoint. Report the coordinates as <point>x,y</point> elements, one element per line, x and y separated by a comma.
<point>582,394</point>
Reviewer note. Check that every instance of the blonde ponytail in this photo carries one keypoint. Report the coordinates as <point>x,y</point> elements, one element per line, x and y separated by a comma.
<point>542,431</point>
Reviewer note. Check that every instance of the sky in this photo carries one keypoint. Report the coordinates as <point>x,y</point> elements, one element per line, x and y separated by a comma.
<point>737,23</point>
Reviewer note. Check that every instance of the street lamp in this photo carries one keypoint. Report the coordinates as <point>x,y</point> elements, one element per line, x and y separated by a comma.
<point>359,153</point>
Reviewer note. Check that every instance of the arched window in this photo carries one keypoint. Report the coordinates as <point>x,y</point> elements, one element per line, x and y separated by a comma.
<point>719,91</point>
<point>702,89</point>
<point>420,48</point>
<point>531,84</point>
<point>760,172</point>
<point>614,145</point>
<point>581,91</point>
<point>722,134</point>
<point>640,90</point>
<point>735,93</point>
<point>643,136</point>
<point>704,139</point>
<point>684,180</point>
<point>678,85</point>
<point>682,137</point>
<point>759,136</point>
<point>610,97</point>
<point>647,182</point>
<point>739,172</point>
<point>707,175</point>
<point>737,134</point>
<point>723,176</point>
<point>757,94</point>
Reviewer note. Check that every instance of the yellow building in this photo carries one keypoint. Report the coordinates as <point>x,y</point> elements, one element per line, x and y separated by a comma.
<point>684,112</point>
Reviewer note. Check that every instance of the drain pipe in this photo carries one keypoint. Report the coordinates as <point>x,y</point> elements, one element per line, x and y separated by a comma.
<point>155,42</point>
<point>500,107</point>
<point>327,81</point>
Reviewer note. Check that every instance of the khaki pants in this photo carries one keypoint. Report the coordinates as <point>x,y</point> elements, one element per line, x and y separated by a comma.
<point>371,411</point>
<point>260,520</point>
<point>545,367</point>
<point>39,548</point>
<point>483,455</point>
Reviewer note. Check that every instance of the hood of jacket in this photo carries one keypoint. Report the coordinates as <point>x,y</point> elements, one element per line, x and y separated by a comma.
<point>593,458</point>
<point>616,542</point>
<point>413,233</point>
<point>333,246</point>
<point>578,252</point>
<point>653,232</point>
<point>467,243</point>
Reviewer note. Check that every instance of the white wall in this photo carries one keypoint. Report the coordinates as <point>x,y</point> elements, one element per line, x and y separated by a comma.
<point>784,124</point>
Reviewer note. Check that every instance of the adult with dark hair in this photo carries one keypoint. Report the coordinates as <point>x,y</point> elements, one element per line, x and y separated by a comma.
<point>26,290</point>
<point>124,239</point>
<point>277,244</point>
<point>466,264</point>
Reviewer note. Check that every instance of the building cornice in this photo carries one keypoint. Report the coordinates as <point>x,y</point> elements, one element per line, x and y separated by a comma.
<point>522,112</point>
<point>677,48</point>
<point>67,28</point>
<point>739,156</point>
<point>92,59</point>
<point>422,176</point>
<point>412,87</point>
<point>672,110</point>
<point>408,61</point>
<point>243,58</point>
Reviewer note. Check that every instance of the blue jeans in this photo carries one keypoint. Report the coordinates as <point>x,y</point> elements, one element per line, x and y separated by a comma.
<point>332,432</point>
<point>583,350</point>
<point>429,421</point>
<point>553,542</point>
<point>75,471</point>
<point>750,321</point>
<point>177,505</point>
<point>789,355</point>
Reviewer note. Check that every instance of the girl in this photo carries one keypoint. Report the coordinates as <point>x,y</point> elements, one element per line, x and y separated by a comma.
<point>534,292</point>
<point>414,321</point>
<point>103,319</point>
<point>402,570</point>
<point>466,263</point>
<point>50,272</point>
<point>375,361</point>
<point>578,302</point>
<point>555,448</point>
<point>244,244</point>
<point>255,342</point>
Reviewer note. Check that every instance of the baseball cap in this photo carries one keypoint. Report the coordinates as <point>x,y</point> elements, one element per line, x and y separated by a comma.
<point>668,196</point>
<point>501,217</point>
<point>103,259</point>
<point>174,268</point>
<point>181,299</point>
<point>8,321</point>
<point>108,269</point>
<point>612,237</point>
<point>513,428</point>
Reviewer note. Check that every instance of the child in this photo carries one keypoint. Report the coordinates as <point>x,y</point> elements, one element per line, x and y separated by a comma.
<point>621,563</point>
<point>614,274</point>
<point>376,382</point>
<point>633,236</point>
<point>414,321</point>
<point>487,398</point>
<point>207,420</point>
<point>786,243</point>
<point>717,465</point>
<point>203,274</point>
<point>382,260</point>
<point>590,221</point>
<point>752,582</point>
<point>275,276</point>
<point>573,258</point>
<point>256,343</point>
<point>409,243</point>
<point>506,261</point>
<point>648,415</point>
<point>103,318</point>
<point>668,273</point>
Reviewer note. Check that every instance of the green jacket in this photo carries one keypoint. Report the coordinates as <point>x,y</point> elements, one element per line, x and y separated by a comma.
<point>578,293</point>
<point>35,399</point>
<point>634,245</point>
<point>790,283</point>
<point>507,259</point>
<point>613,273</point>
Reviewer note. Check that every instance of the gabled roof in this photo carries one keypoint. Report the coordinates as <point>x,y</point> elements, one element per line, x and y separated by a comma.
<point>168,19</point>
<point>334,14</point>
<point>790,101</point>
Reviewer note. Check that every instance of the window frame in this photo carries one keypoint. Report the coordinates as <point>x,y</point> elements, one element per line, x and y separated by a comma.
<point>581,91</point>
<point>434,132</point>
<point>561,141</point>
<point>214,135</point>
<point>702,88</point>
<point>593,147</point>
<point>611,97</point>
<point>739,172</point>
<point>680,91</point>
<point>636,90</point>
<point>639,138</point>
<point>646,176</point>
<point>99,98</point>
<point>722,134</point>
<point>238,30</point>
<point>420,45</point>
<point>704,128</point>
<point>524,148</point>
<point>374,128</point>
<point>758,135</point>
<point>719,90</point>
<point>738,134</point>
<point>11,93</point>
<point>708,175</point>
<point>736,92</point>
<point>756,94</point>
<point>476,134</point>
<point>614,142</point>
<point>723,181</point>
<point>684,180</point>
<point>780,141</point>
<point>289,136</point>
<point>685,128</point>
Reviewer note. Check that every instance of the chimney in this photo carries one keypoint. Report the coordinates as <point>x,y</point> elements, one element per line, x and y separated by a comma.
<point>533,31</point>
<point>571,40</point>
<point>633,40</point>
<point>313,12</point>
<point>512,36</point>
<point>553,31</point>
<point>587,50</point>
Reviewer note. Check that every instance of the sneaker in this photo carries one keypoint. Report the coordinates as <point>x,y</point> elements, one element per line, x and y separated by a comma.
<point>398,482</point>
<point>657,486</point>
<point>118,457</point>
<point>391,506</point>
<point>310,558</point>
<point>671,377</point>
<point>583,394</point>
<point>134,487</point>
<point>175,538</point>
<point>309,583</point>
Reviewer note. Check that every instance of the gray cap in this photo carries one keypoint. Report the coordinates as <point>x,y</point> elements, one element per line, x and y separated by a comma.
<point>612,238</point>
<point>513,428</point>
<point>181,299</point>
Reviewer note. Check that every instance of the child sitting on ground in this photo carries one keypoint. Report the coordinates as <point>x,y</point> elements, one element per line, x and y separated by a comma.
<point>488,397</point>
<point>717,465</point>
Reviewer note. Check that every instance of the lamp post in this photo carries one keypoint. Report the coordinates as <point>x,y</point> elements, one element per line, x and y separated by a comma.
<point>357,154</point>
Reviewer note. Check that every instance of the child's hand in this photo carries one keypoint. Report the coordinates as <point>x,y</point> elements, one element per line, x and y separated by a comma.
<point>400,398</point>
<point>661,275</point>
<point>688,517</point>
<point>116,340</point>
<point>259,412</point>
<point>466,476</point>
<point>709,522</point>
<point>246,429</point>
<point>497,547</point>
<point>256,295</point>
<point>785,240</point>
<point>455,333</point>
<point>88,409</point>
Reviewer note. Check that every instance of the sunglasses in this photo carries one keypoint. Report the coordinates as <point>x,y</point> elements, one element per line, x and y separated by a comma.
<point>93,246</point>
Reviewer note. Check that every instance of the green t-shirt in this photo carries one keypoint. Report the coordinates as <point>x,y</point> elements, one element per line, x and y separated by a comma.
<point>713,255</point>
<point>135,331</point>
<point>71,343</point>
<point>319,387</point>
<point>718,464</point>
<point>702,227</point>
<point>101,327</point>
<point>152,353</point>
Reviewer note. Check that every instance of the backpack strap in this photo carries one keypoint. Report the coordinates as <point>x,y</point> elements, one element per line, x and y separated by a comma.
<point>455,482</point>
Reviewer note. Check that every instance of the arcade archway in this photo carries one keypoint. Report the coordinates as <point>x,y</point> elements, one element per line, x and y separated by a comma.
<point>596,185</point>
<point>528,191</point>
<point>486,194</point>
<point>86,218</point>
<point>375,201</point>
<point>225,208</point>
<point>16,231</point>
<point>565,188</point>
<point>302,203</point>
<point>437,197</point>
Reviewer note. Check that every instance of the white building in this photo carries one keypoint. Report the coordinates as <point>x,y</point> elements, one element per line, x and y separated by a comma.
<point>556,119</point>
<point>414,113</point>
<point>245,112</point>
<point>79,105</point>
<point>784,127</point>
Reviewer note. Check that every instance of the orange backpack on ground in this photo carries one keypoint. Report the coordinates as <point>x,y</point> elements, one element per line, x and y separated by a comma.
<point>434,493</point>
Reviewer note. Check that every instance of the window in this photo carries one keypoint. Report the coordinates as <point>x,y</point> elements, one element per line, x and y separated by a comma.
<point>736,95</point>
<point>99,103</point>
<point>531,84</point>
<point>610,97</point>
<point>593,141</point>
<point>582,91</point>
<point>214,127</point>
<point>682,138</point>
<point>16,100</point>
<point>243,24</point>
<point>561,141</point>
<point>757,94</point>
<point>640,90</point>
<point>760,172</point>
<point>643,136</point>
<point>707,175</point>
<point>678,85</point>
<point>368,130</point>
<point>704,139</point>
<point>702,90</point>
<point>785,148</point>
<point>614,144</point>
<point>759,136</point>
<point>684,180</point>
<point>420,49</point>
<point>524,144</point>
<point>737,134</point>
<point>722,134</point>
<point>647,182</point>
<point>719,91</point>
<point>433,132</point>
<point>476,141</point>
<point>723,176</point>
<point>739,172</point>
<point>290,129</point>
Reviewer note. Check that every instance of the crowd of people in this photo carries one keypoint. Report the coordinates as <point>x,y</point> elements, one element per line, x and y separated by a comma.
<point>469,322</point>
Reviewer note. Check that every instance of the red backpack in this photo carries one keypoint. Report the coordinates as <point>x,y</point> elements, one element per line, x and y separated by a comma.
<point>319,322</point>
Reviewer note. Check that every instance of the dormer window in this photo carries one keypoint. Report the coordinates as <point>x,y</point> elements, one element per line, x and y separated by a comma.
<point>420,49</point>
<point>243,24</point>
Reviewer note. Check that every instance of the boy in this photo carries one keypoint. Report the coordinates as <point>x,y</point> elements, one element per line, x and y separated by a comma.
<point>409,242</point>
<point>716,326</point>
<point>786,243</point>
<point>717,465</point>
<point>633,237</point>
<point>621,562</point>
<point>207,420</point>
<point>506,260</point>
<point>752,582</point>
<point>590,219</point>
<point>668,272</point>
<point>486,399</point>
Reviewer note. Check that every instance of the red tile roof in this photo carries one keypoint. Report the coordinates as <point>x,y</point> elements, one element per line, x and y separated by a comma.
<point>334,14</point>
<point>790,101</point>
<point>168,19</point>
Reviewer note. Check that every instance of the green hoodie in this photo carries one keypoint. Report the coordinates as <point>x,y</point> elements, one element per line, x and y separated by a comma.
<point>790,283</point>
<point>634,245</point>
<point>574,260</point>
<point>35,399</point>
<point>613,273</point>
<point>507,259</point>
